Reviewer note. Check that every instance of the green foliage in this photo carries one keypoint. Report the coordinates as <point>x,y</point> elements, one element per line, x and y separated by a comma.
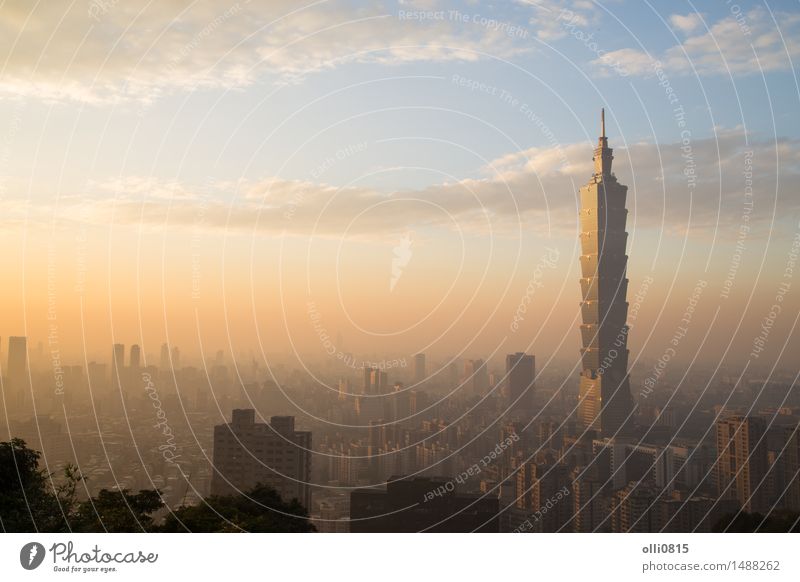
<point>28,500</point>
<point>117,511</point>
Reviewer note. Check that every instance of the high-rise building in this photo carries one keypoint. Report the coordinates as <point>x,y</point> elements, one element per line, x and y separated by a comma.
<point>590,506</point>
<point>791,463</point>
<point>18,369</point>
<point>741,465</point>
<point>375,381</point>
<point>605,397</point>
<point>17,360</point>
<point>520,374</point>
<point>540,488</point>
<point>477,376</point>
<point>117,364</point>
<point>367,386</point>
<point>636,509</point>
<point>419,369</point>
<point>247,453</point>
<point>344,388</point>
<point>176,358</point>
<point>136,355</point>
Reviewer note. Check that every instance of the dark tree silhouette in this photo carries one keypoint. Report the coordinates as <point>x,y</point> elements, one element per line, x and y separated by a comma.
<point>117,511</point>
<point>31,500</point>
<point>28,499</point>
<point>258,510</point>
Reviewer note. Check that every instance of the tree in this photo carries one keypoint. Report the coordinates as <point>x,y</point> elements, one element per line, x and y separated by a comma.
<point>259,510</point>
<point>32,501</point>
<point>117,511</point>
<point>29,499</point>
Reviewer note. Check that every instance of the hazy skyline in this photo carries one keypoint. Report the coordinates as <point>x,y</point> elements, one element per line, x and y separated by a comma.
<point>202,174</point>
<point>346,266</point>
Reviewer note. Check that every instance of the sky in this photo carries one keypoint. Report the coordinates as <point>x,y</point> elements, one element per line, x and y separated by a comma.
<point>388,178</point>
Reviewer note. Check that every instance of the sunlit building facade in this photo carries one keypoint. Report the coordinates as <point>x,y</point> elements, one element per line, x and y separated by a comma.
<point>605,398</point>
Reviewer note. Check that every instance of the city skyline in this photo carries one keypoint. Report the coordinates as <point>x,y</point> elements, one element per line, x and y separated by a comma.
<point>400,266</point>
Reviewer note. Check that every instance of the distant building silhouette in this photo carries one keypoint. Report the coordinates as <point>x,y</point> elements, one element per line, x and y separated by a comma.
<point>409,505</point>
<point>247,453</point>
<point>17,375</point>
<point>477,376</point>
<point>117,364</point>
<point>520,375</point>
<point>420,372</point>
<point>17,358</point>
<point>136,356</point>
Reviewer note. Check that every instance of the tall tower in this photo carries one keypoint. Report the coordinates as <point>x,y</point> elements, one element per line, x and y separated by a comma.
<point>605,395</point>
<point>520,376</point>
<point>117,364</point>
<point>419,369</point>
<point>17,377</point>
<point>136,355</point>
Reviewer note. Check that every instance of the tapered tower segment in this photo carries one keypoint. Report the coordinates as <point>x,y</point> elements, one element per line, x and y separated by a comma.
<point>605,396</point>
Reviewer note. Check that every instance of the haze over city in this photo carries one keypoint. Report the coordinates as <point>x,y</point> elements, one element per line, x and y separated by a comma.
<point>525,267</point>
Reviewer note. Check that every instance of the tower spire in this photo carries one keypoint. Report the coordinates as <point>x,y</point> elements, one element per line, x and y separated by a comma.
<point>602,122</point>
<point>602,153</point>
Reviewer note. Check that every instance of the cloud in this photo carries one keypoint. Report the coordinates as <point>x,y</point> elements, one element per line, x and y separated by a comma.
<point>107,50</point>
<point>535,188</point>
<point>686,24</point>
<point>549,16</point>
<point>747,43</point>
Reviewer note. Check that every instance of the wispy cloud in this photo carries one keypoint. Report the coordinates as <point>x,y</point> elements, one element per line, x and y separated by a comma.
<point>740,44</point>
<point>534,187</point>
<point>108,50</point>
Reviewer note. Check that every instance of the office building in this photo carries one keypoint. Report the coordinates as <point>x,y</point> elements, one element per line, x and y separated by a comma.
<point>247,453</point>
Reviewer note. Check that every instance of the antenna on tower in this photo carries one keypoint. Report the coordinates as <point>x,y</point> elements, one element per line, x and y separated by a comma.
<point>602,122</point>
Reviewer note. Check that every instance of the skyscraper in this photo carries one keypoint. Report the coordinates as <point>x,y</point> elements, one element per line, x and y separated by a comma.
<point>742,461</point>
<point>476,375</point>
<point>520,373</point>
<point>375,381</point>
<point>18,368</point>
<point>17,360</point>
<point>117,363</point>
<point>136,355</point>
<point>419,368</point>
<point>605,396</point>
